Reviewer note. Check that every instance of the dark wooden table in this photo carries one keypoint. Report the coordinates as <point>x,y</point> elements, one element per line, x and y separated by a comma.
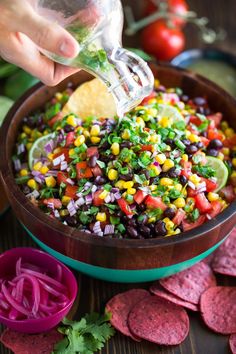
<point>93,294</point>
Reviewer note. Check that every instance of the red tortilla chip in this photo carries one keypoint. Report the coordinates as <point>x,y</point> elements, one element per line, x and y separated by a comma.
<point>157,290</point>
<point>120,306</point>
<point>232,343</point>
<point>218,309</point>
<point>224,261</point>
<point>21,343</point>
<point>190,283</point>
<point>159,321</point>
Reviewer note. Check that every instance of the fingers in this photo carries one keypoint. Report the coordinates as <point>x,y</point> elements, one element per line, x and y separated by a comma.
<point>45,34</point>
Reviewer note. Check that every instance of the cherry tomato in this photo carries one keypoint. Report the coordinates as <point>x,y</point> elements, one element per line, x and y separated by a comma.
<point>179,217</point>
<point>175,6</point>
<point>202,203</point>
<point>83,171</point>
<point>191,225</point>
<point>70,138</point>
<point>56,202</point>
<point>96,200</point>
<point>124,206</point>
<point>92,151</point>
<point>210,185</point>
<point>155,202</point>
<point>161,41</point>
<point>139,196</point>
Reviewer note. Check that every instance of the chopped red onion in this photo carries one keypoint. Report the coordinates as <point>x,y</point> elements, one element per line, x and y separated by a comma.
<point>80,202</point>
<point>50,205</point>
<point>201,185</point>
<point>49,146</point>
<point>17,164</point>
<point>56,213</point>
<point>97,227</point>
<point>108,198</point>
<point>201,190</point>
<point>51,173</point>
<point>63,165</point>
<point>117,195</point>
<point>191,185</point>
<point>20,149</point>
<point>58,160</point>
<point>79,195</point>
<point>89,199</point>
<point>35,194</point>
<point>99,233</point>
<point>97,179</point>
<point>109,229</point>
<point>69,180</point>
<point>72,208</point>
<point>114,190</point>
<point>112,197</point>
<point>87,185</point>
<point>94,188</point>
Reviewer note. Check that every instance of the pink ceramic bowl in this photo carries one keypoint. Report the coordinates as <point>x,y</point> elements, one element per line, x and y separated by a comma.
<point>8,261</point>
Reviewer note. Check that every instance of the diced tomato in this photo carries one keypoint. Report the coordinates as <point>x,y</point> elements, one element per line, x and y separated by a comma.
<point>205,141</point>
<point>70,138</point>
<point>83,171</point>
<point>202,203</point>
<point>216,118</point>
<point>146,147</point>
<point>71,191</point>
<point>124,206</point>
<point>92,151</point>
<point>64,151</point>
<point>187,166</point>
<point>96,171</point>
<point>210,185</point>
<point>214,134</point>
<point>146,99</point>
<point>56,202</point>
<point>59,116</point>
<point>139,196</point>
<point>179,217</point>
<point>216,208</point>
<point>62,177</point>
<point>191,192</point>
<point>189,226</point>
<point>228,193</point>
<point>195,120</point>
<point>230,142</point>
<point>155,202</point>
<point>96,200</point>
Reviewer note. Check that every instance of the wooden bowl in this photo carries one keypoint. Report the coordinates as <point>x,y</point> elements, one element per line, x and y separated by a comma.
<point>117,259</point>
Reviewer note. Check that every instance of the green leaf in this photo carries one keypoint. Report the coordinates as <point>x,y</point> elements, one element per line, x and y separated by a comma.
<point>205,171</point>
<point>52,111</point>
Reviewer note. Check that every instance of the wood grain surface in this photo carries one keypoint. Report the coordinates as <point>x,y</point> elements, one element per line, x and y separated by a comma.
<point>93,294</point>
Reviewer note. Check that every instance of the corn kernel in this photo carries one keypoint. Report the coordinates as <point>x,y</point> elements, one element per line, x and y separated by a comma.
<point>155,169</point>
<point>95,139</point>
<point>115,149</point>
<point>50,181</point>
<point>178,187</point>
<point>195,179</point>
<point>37,166</point>
<point>179,202</point>
<point>65,200</point>
<point>140,122</point>
<point>80,140</point>
<point>161,158</point>
<point>234,162</point>
<point>124,195</point>
<point>26,130</point>
<point>194,138</point>
<point>168,223</point>
<point>155,138</point>
<point>57,150</point>
<point>224,125</point>
<point>131,191</point>
<point>165,122</point>
<point>101,217</point>
<point>95,130</point>
<point>221,156</point>
<point>44,170</point>
<point>152,112</point>
<point>229,132</point>
<point>226,151</point>
<point>151,220</point>
<point>32,184</point>
<point>126,134</point>
<point>173,232</point>
<point>28,146</point>
<point>153,187</point>
<point>112,174</point>
<point>166,181</point>
<point>59,96</point>
<point>50,157</point>
<point>23,172</point>
<point>71,152</point>
<point>120,184</point>
<point>86,133</point>
<point>213,196</point>
<point>23,135</point>
<point>104,194</point>
<point>185,157</point>
<point>64,212</point>
<point>167,165</point>
<point>128,184</point>
<point>71,120</point>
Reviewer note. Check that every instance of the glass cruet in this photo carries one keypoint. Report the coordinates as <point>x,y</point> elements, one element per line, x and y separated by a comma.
<point>97,26</point>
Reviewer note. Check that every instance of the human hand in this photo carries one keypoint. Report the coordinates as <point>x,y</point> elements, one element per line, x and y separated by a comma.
<point>23,32</point>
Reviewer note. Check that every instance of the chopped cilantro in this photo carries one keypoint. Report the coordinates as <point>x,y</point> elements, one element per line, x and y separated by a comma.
<point>173,194</point>
<point>194,215</point>
<point>121,228</point>
<point>205,171</point>
<point>157,213</point>
<point>48,192</point>
<point>115,220</point>
<point>84,218</point>
<point>52,111</point>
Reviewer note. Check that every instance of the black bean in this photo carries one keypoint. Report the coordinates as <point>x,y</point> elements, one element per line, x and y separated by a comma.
<point>71,220</point>
<point>92,161</point>
<point>68,128</point>
<point>170,142</point>
<point>145,231</point>
<point>169,213</point>
<point>183,180</point>
<point>212,152</point>
<point>39,120</point>
<point>142,207</point>
<point>199,101</point>
<point>191,149</point>
<point>132,222</point>
<point>127,177</point>
<point>105,145</point>
<point>173,173</point>
<point>160,228</point>
<point>186,142</point>
<point>184,98</point>
<point>199,145</point>
<point>126,144</point>
<point>132,232</point>
<point>26,189</point>
<point>101,181</point>
<point>42,127</point>
<point>215,144</point>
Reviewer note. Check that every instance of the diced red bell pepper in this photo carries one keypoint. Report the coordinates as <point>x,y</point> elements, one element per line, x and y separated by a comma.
<point>92,151</point>
<point>216,118</point>
<point>146,147</point>
<point>216,208</point>
<point>70,139</point>
<point>139,196</point>
<point>202,203</point>
<point>62,177</point>
<point>83,170</point>
<point>96,200</point>
<point>195,120</point>
<point>56,202</point>
<point>155,202</point>
<point>210,185</point>
<point>179,217</point>
<point>191,225</point>
<point>124,206</point>
<point>71,191</point>
<point>96,171</point>
<point>228,193</point>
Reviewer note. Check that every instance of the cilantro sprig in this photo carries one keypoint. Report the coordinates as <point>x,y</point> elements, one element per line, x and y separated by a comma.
<point>85,336</point>
<point>205,171</point>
